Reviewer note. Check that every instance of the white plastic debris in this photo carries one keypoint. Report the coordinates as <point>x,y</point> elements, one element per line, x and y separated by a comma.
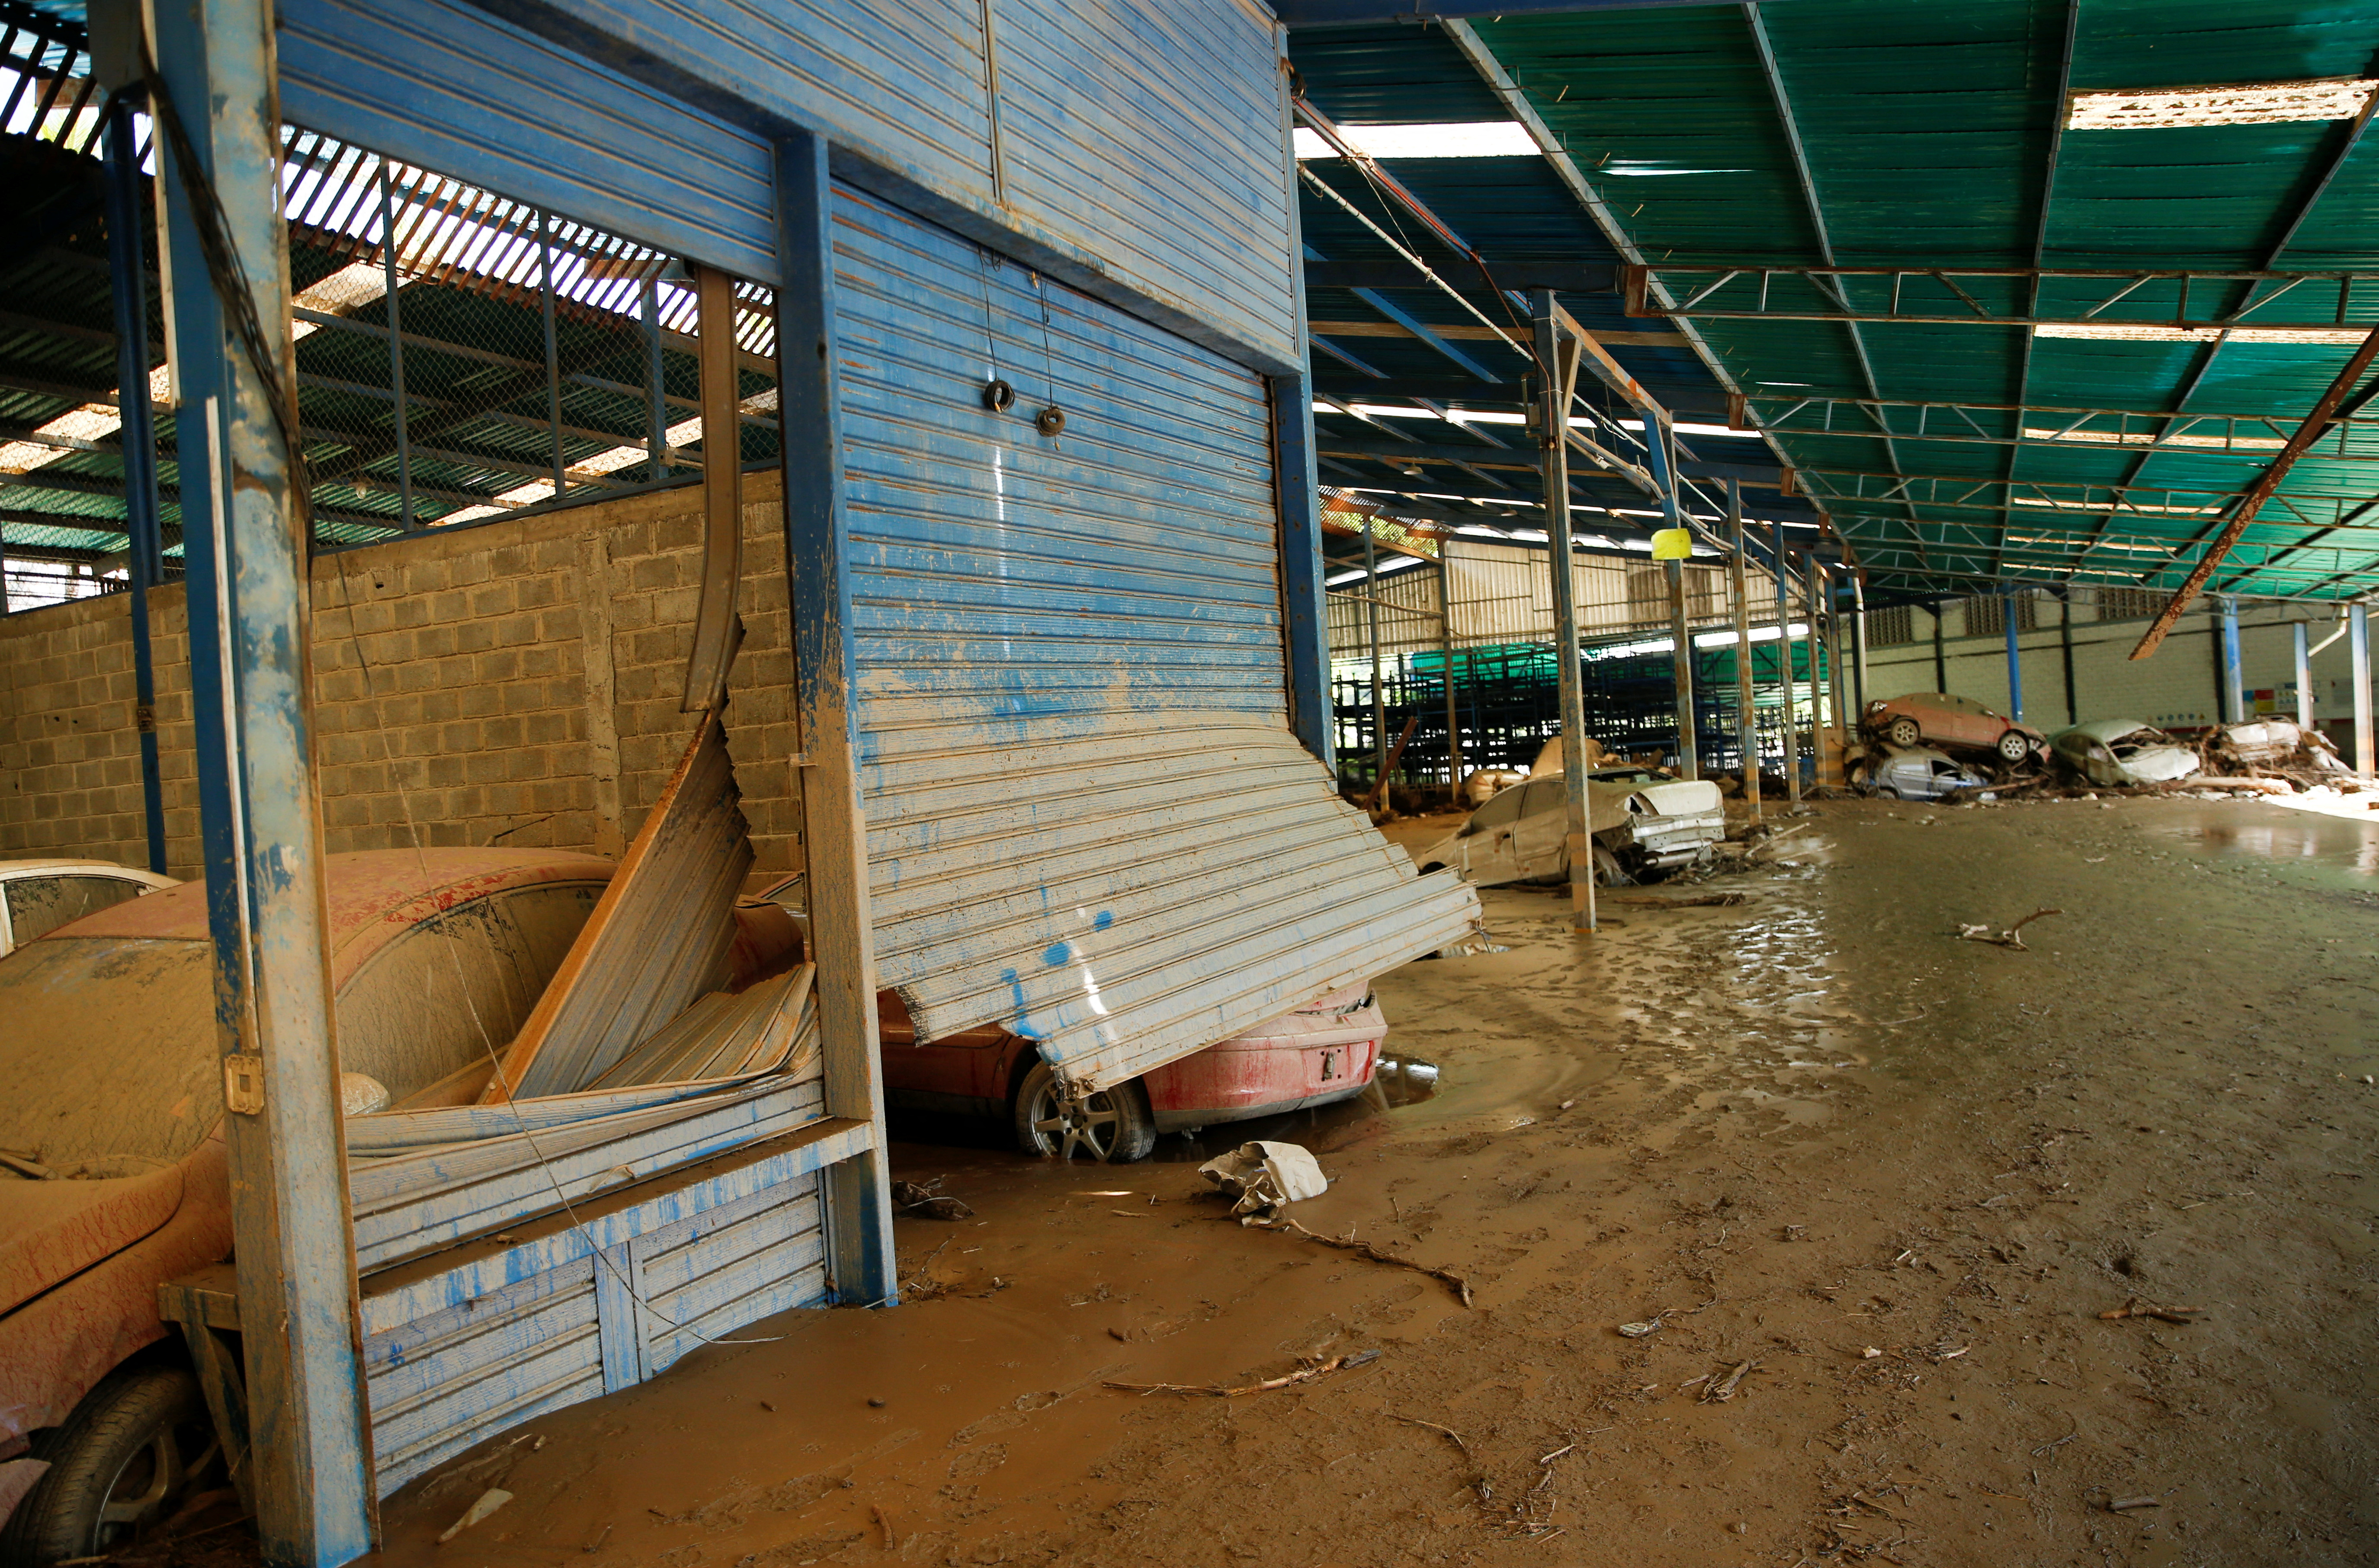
<point>490,1501</point>
<point>1265,1177</point>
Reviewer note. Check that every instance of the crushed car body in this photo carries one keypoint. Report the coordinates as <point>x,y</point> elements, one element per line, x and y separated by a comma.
<point>2111,752</point>
<point>1640,823</point>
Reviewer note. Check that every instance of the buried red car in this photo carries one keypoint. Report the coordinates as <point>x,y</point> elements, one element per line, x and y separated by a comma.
<point>1324,1052</point>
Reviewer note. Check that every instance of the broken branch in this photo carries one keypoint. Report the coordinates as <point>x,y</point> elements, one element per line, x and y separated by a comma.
<point>1364,1249</point>
<point>1216,1391</point>
<point>2007,938</point>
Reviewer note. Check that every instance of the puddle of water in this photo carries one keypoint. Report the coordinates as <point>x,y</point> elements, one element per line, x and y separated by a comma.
<point>2328,841</point>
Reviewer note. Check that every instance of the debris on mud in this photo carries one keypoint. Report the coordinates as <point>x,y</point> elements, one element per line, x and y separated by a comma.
<point>1265,1178</point>
<point>1216,1391</point>
<point>924,1202</point>
<point>2007,938</point>
<point>1365,1249</point>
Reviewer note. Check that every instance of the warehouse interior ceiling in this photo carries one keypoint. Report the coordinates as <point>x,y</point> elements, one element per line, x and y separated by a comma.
<point>2014,298</point>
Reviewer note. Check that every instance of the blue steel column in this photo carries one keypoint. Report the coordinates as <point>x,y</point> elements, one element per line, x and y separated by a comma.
<point>1305,617</point>
<point>127,266</point>
<point>2014,657</point>
<point>2305,674</point>
<point>2234,685</point>
<point>656,372</point>
<point>1784,648</point>
<point>259,813</point>
<point>396,350</point>
<point>834,829</point>
<point>2358,652</point>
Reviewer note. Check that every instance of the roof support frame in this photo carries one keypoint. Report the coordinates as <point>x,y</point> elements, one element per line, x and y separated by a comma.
<point>1774,75</point>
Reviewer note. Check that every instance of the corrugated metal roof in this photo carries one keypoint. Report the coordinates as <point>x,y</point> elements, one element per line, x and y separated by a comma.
<point>1928,134</point>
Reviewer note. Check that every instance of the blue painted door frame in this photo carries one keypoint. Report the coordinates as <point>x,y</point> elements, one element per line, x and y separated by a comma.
<point>245,536</point>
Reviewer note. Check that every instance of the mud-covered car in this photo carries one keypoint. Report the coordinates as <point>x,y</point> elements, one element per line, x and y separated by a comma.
<point>1937,718</point>
<point>1920,773</point>
<point>37,897</point>
<point>1641,823</point>
<point>2114,752</point>
<point>113,1178</point>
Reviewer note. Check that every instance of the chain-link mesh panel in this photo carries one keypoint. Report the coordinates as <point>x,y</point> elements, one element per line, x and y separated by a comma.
<point>463,356</point>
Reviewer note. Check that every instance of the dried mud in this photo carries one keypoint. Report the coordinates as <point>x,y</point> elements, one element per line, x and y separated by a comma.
<point>1898,1174</point>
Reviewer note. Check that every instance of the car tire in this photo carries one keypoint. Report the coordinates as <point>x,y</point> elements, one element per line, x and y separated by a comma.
<point>124,1460</point>
<point>1115,1126</point>
<point>2014,747</point>
<point>1904,733</point>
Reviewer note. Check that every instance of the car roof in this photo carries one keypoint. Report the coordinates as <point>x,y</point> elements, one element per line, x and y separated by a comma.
<point>11,870</point>
<point>374,896</point>
<point>2108,730</point>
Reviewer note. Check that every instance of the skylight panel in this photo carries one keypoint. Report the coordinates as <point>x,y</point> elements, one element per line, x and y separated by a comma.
<point>1477,139</point>
<point>2331,98</point>
<point>2123,333</point>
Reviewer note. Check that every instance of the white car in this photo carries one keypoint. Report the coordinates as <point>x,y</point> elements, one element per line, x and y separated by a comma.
<point>1640,822</point>
<point>37,897</point>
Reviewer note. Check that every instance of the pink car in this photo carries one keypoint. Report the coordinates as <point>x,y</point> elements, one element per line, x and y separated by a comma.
<point>1324,1052</point>
<point>1937,718</point>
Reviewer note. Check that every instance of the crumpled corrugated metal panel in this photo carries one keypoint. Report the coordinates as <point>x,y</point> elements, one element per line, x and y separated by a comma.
<point>1087,819</point>
<point>654,940</point>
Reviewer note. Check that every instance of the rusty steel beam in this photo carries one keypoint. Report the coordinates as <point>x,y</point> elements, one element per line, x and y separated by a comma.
<point>2244,513</point>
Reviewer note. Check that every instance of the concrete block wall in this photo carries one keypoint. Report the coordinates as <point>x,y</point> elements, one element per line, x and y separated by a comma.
<point>517,682</point>
<point>2177,685</point>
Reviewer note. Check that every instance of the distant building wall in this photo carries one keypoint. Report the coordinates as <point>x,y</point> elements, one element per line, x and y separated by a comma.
<point>2179,684</point>
<point>520,678</point>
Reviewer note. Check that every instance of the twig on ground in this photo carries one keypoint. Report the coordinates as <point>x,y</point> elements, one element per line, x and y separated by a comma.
<point>2007,938</point>
<point>2164,1314</point>
<point>1216,1391</point>
<point>1364,1249</point>
<point>1720,1392</point>
<point>1432,1426</point>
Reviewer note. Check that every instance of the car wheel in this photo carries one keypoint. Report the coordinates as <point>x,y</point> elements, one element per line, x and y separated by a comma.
<point>125,1458</point>
<point>1115,1125</point>
<point>1904,733</point>
<point>2014,746</point>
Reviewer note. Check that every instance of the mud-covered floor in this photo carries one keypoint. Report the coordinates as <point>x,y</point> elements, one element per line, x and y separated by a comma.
<point>1898,1174</point>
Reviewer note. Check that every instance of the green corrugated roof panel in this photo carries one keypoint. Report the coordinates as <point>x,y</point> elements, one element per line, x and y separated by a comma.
<point>1927,130</point>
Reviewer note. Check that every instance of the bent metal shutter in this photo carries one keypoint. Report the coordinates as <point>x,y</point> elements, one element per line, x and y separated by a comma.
<point>1087,819</point>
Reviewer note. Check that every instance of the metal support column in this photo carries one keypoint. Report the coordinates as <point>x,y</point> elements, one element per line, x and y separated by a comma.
<point>2234,685</point>
<point>244,541</point>
<point>2357,654</point>
<point>1940,655</point>
<point>1838,668</point>
<point>1680,669</point>
<point>1307,618</point>
<point>1304,611</point>
<point>1784,643</point>
<point>1559,345</point>
<point>1445,658</point>
<point>2065,646</point>
<point>1379,747</point>
<point>834,831</point>
<point>1821,665</point>
<point>2304,648</point>
<point>127,268</point>
<point>656,377</point>
<point>395,348</point>
<point>1747,718</point>
<point>1858,643</point>
<point>552,349</point>
<point>2014,657</point>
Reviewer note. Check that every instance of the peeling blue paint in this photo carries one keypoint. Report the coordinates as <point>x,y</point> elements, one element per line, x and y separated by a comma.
<point>1022,1026</point>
